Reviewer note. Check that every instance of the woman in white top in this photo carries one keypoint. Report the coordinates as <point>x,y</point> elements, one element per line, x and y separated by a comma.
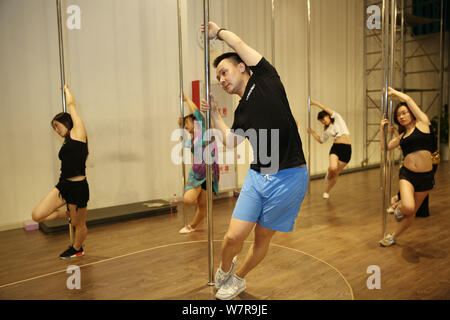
<point>341,151</point>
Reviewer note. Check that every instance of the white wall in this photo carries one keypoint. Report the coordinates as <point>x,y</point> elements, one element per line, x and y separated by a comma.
<point>122,67</point>
<point>29,99</point>
<point>336,68</point>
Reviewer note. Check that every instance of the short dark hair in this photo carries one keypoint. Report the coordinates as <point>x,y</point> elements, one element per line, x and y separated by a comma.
<point>401,128</point>
<point>234,57</point>
<point>189,116</point>
<point>183,120</point>
<point>322,114</point>
<point>64,118</point>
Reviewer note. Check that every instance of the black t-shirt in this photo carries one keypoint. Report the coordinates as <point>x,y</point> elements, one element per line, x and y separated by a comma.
<point>264,111</point>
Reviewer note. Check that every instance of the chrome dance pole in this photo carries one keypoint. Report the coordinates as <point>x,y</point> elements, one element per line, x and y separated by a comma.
<point>393,31</point>
<point>63,78</point>
<point>181,77</point>
<point>61,53</point>
<point>384,109</point>
<point>272,31</point>
<point>308,4</point>
<point>209,215</point>
<point>441,72</point>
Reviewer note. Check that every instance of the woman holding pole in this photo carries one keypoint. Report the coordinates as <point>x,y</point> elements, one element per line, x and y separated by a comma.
<point>416,175</point>
<point>72,189</point>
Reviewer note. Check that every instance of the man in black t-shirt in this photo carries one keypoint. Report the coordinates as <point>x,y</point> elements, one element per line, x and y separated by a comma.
<point>277,180</point>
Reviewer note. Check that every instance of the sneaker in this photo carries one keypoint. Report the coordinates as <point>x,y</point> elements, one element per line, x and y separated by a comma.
<point>231,288</point>
<point>222,276</point>
<point>398,215</point>
<point>394,200</point>
<point>394,204</point>
<point>186,229</point>
<point>71,252</point>
<point>387,241</point>
<point>325,195</point>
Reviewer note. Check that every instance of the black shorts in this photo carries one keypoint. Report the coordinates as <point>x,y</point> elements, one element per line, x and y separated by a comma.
<point>204,185</point>
<point>421,181</point>
<point>343,151</point>
<point>74,192</point>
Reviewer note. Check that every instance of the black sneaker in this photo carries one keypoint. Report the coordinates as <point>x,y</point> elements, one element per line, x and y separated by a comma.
<point>71,252</point>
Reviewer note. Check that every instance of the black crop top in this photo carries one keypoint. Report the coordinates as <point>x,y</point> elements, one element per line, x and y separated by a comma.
<point>73,155</point>
<point>416,141</point>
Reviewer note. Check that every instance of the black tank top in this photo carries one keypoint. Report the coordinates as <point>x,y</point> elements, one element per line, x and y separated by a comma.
<point>73,155</point>
<point>418,140</point>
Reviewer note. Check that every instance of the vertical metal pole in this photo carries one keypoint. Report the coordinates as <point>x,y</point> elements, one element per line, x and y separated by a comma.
<point>441,72</point>
<point>366,112</point>
<point>391,84</point>
<point>384,99</point>
<point>273,32</point>
<point>402,53</point>
<point>448,79</point>
<point>63,77</point>
<point>61,53</point>
<point>209,216</point>
<point>181,77</point>
<point>308,3</point>
<point>403,43</point>
<point>383,86</point>
<point>393,30</point>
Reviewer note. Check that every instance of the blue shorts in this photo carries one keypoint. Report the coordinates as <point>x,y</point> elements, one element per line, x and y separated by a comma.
<point>272,201</point>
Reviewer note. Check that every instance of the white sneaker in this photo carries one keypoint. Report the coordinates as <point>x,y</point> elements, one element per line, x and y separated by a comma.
<point>390,210</point>
<point>394,200</point>
<point>231,288</point>
<point>387,241</point>
<point>394,204</point>
<point>398,215</point>
<point>186,229</point>
<point>222,276</point>
<point>325,195</point>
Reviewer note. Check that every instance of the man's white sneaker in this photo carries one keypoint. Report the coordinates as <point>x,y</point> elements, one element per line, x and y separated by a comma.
<point>231,288</point>
<point>325,195</point>
<point>222,276</point>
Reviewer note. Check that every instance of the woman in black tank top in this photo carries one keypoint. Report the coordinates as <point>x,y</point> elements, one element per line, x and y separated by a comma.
<point>72,189</point>
<point>416,178</point>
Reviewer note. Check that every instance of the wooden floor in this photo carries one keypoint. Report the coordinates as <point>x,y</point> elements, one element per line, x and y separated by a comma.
<point>326,257</point>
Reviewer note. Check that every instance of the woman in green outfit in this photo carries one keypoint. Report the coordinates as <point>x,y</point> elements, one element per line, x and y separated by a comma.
<point>195,190</point>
